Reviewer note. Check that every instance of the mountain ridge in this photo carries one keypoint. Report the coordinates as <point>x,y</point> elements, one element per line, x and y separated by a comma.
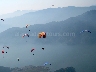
<point>72,25</point>
<point>47,15</point>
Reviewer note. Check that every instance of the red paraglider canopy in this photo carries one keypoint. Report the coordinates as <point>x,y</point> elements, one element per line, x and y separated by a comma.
<point>32,49</point>
<point>2,51</point>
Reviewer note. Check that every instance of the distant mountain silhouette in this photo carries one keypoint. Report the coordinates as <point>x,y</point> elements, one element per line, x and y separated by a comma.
<point>29,68</point>
<point>5,69</point>
<point>68,69</point>
<point>16,13</point>
<point>47,15</point>
<point>69,29</point>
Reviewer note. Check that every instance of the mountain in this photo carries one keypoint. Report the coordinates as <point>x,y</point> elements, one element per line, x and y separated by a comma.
<point>47,15</point>
<point>5,69</point>
<point>14,14</point>
<point>69,29</point>
<point>31,68</point>
<point>68,69</point>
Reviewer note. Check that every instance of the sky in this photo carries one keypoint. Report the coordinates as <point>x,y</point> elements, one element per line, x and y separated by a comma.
<point>9,6</point>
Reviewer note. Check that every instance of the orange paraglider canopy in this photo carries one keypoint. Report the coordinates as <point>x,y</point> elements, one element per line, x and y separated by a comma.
<point>42,34</point>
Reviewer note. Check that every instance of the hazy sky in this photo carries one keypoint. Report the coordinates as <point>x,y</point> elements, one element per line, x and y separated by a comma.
<point>9,6</point>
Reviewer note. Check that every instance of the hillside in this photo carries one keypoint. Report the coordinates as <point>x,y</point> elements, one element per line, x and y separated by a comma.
<point>47,15</point>
<point>16,13</point>
<point>73,26</point>
<point>32,68</point>
<point>4,69</point>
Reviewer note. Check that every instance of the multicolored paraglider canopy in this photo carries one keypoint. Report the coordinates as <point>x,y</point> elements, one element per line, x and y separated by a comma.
<point>46,63</point>
<point>85,31</point>
<point>42,34</point>
<point>27,26</point>
<point>25,35</point>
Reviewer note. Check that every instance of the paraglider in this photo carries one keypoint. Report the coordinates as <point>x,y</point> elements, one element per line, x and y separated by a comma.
<point>32,50</point>
<point>45,63</point>
<point>85,31</point>
<point>8,47</point>
<point>43,48</point>
<point>18,59</point>
<point>2,19</point>
<point>3,53</point>
<point>42,34</point>
<point>25,35</point>
<point>52,5</point>
<point>27,26</point>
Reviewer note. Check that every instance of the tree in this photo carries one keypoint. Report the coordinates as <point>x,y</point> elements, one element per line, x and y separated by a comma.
<point>68,69</point>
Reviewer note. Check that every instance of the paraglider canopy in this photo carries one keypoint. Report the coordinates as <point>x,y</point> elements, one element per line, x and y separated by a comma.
<point>32,49</point>
<point>85,31</point>
<point>27,26</point>
<point>8,47</point>
<point>2,51</point>
<point>45,63</point>
<point>18,59</point>
<point>43,48</point>
<point>25,35</point>
<point>42,34</point>
<point>2,19</point>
